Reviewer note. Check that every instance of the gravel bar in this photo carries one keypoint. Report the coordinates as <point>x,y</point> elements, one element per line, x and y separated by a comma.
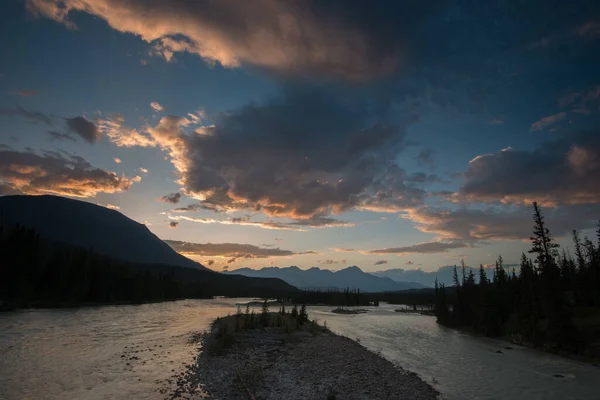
<point>302,366</point>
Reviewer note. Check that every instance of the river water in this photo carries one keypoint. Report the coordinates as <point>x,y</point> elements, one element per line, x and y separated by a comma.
<point>130,352</point>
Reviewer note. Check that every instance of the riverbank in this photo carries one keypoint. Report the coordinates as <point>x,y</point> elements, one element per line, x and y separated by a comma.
<point>286,360</point>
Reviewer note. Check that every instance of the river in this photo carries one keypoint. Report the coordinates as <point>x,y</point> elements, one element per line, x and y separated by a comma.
<point>130,352</point>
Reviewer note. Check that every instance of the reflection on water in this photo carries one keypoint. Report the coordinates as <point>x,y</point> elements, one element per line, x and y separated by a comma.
<point>76,354</point>
<point>84,353</point>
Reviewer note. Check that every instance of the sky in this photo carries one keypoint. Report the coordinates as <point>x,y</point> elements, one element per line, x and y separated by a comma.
<point>312,133</point>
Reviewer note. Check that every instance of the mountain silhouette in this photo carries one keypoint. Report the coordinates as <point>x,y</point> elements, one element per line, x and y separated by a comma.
<point>317,278</point>
<point>89,226</point>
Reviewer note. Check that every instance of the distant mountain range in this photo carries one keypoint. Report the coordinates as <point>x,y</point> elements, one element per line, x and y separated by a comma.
<point>316,278</point>
<point>87,225</point>
<point>443,274</point>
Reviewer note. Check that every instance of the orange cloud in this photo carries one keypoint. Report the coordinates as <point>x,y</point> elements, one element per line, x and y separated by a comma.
<point>58,173</point>
<point>281,36</point>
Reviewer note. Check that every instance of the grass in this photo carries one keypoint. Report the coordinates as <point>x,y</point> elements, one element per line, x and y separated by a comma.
<point>225,331</point>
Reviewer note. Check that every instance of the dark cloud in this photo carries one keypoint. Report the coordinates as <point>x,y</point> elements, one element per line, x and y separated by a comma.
<point>59,173</point>
<point>230,250</point>
<point>173,224</point>
<point>302,155</point>
<point>321,222</point>
<point>409,263</point>
<point>562,171</point>
<point>85,128</point>
<point>471,226</point>
<point>380,262</point>
<point>172,198</point>
<point>425,157</point>
<point>209,262</point>
<point>60,136</point>
<point>32,116</point>
<point>421,248</point>
<point>189,208</point>
<point>351,40</point>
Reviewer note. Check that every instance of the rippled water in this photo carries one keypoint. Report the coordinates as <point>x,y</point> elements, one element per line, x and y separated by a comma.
<point>84,353</point>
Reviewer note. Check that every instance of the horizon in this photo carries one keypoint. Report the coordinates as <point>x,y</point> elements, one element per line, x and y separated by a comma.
<point>249,145</point>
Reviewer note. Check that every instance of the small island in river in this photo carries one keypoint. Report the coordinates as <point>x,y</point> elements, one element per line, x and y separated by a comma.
<point>342,310</point>
<point>286,356</point>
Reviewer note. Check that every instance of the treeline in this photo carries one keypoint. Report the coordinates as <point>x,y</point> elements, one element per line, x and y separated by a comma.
<point>333,296</point>
<point>38,273</point>
<point>552,302</point>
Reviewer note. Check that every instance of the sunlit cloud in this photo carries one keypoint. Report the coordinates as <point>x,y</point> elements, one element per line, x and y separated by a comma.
<point>110,206</point>
<point>54,172</point>
<point>117,160</point>
<point>122,136</point>
<point>156,106</point>
<point>271,35</point>
<point>343,250</point>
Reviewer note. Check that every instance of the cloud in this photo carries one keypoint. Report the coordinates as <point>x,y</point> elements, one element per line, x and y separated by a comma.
<point>230,250</point>
<point>420,248</point>
<point>173,224</point>
<point>143,170</point>
<point>209,262</point>
<point>409,263</point>
<point>545,122</point>
<point>53,172</point>
<point>241,222</point>
<point>156,106</point>
<point>302,155</point>
<point>84,128</point>
<point>380,262</point>
<point>32,116</point>
<point>189,208</point>
<point>60,136</point>
<point>333,39</point>
<point>590,28</point>
<point>562,171</point>
<point>122,136</point>
<point>425,157</point>
<point>321,222</point>
<point>172,198</point>
<point>464,227</point>
<point>110,206</point>
<point>27,92</point>
<point>343,250</point>
<point>117,160</point>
